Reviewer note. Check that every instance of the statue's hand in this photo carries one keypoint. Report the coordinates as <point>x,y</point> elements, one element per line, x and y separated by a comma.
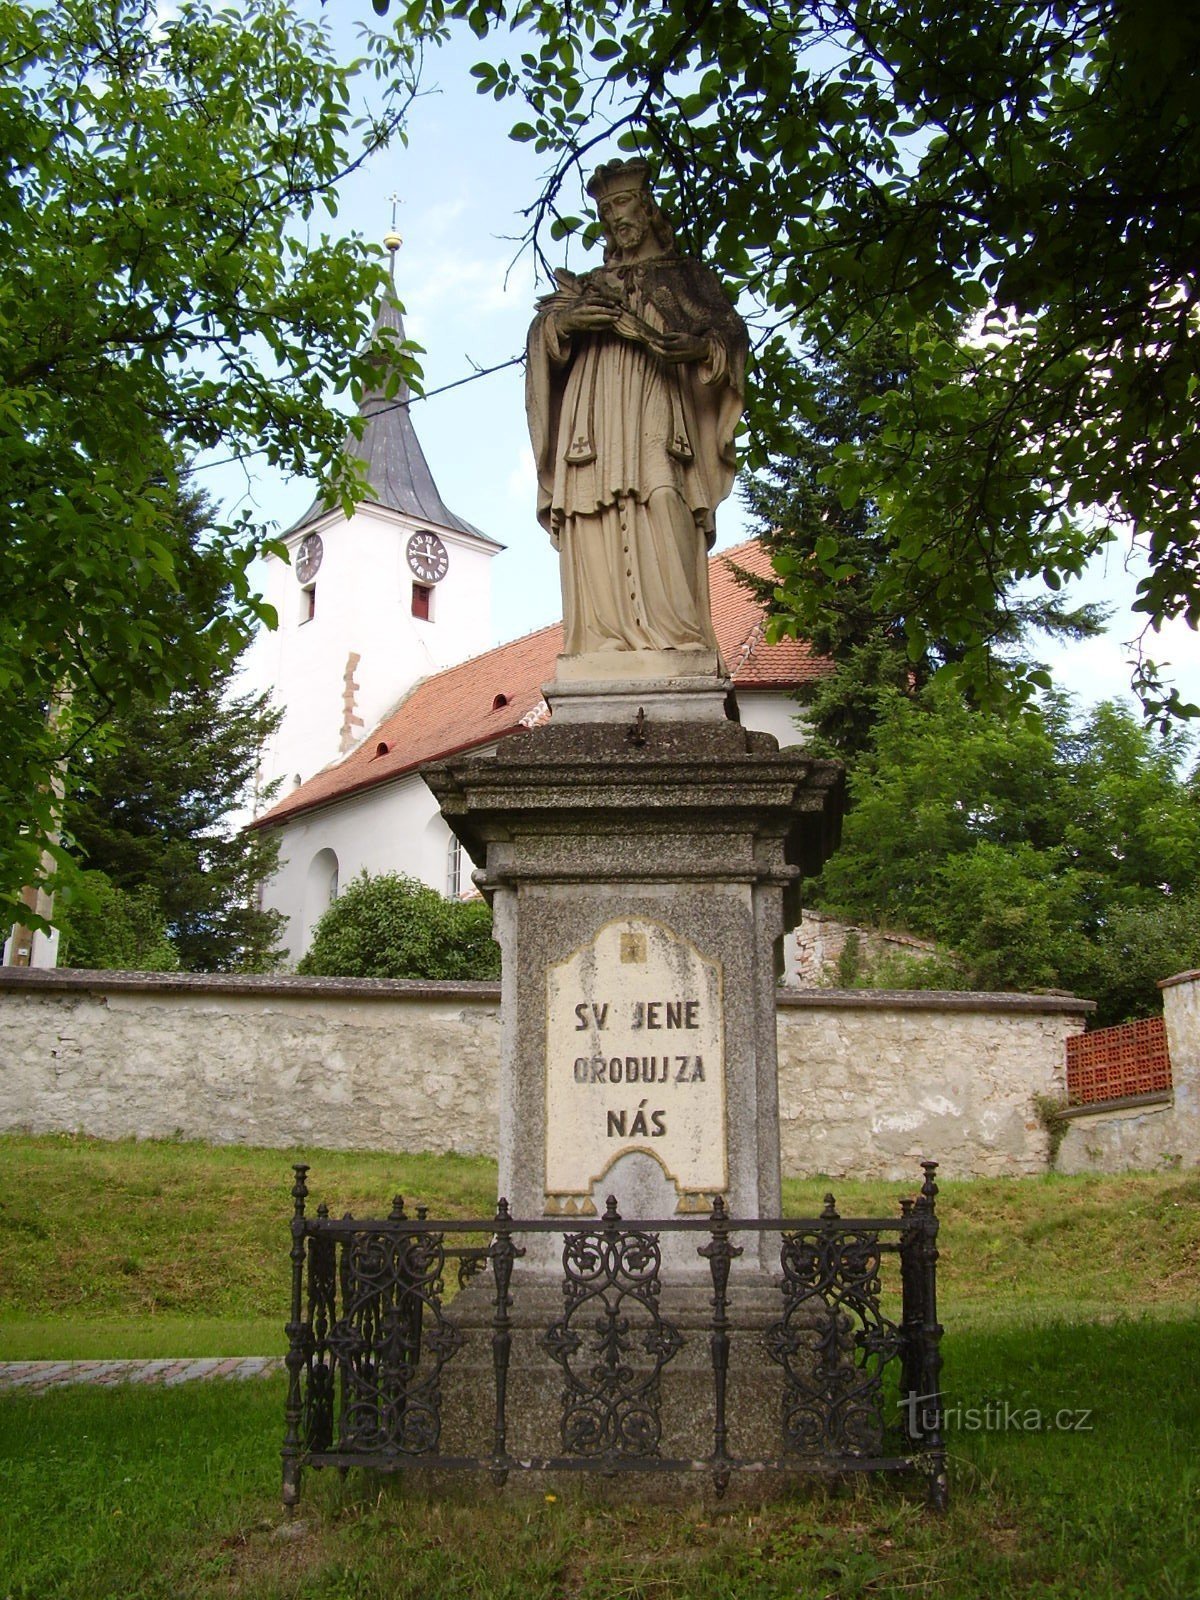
<point>586,317</point>
<point>680,347</point>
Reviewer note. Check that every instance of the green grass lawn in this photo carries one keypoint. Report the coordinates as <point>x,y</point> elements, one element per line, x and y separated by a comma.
<point>162,1248</point>
<point>166,1248</point>
<point>174,1493</point>
<point>1058,1294</point>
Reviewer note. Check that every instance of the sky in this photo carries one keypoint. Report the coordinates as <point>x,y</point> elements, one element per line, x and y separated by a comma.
<point>468,295</point>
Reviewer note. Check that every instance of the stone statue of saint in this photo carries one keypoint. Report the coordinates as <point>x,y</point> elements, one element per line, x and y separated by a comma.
<point>633,391</point>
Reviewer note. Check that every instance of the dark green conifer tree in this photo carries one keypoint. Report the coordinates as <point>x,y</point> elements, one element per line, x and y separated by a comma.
<point>156,800</point>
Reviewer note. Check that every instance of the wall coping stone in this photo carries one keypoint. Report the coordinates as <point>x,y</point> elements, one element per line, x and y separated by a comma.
<point>1180,977</point>
<point>929,1000</point>
<point>1127,1102</point>
<point>294,986</point>
<point>291,985</point>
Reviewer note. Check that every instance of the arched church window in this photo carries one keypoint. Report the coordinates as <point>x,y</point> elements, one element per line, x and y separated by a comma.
<point>320,889</point>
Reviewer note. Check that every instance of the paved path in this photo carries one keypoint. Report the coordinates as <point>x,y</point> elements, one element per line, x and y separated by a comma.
<point>33,1377</point>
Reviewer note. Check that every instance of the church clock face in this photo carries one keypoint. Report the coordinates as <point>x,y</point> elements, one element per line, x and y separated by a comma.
<point>428,558</point>
<point>308,557</point>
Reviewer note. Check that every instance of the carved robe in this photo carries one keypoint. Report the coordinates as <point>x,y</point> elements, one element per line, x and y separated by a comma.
<point>634,453</point>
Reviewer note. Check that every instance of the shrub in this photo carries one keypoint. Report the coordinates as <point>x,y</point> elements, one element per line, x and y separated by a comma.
<point>903,969</point>
<point>391,926</point>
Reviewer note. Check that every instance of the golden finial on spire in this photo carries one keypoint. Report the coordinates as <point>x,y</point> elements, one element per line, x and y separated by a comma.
<point>392,240</point>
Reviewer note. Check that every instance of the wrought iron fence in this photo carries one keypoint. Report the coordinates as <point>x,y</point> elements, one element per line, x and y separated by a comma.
<point>848,1344</point>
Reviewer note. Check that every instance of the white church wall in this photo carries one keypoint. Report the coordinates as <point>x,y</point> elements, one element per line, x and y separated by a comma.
<point>775,712</point>
<point>771,711</point>
<point>868,1083</point>
<point>395,828</point>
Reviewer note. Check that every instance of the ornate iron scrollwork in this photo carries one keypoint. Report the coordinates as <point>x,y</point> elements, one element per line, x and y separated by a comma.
<point>391,1341</point>
<point>611,1287</point>
<point>833,1341</point>
<point>470,1264</point>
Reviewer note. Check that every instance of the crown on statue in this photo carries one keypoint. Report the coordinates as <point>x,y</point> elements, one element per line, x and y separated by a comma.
<point>618,177</point>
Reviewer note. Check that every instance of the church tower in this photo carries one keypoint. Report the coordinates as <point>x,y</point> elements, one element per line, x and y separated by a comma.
<point>370,603</point>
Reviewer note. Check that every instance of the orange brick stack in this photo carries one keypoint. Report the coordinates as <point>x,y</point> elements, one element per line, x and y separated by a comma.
<point>1114,1062</point>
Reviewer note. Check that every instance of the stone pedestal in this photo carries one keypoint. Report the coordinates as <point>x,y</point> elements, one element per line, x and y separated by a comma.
<point>642,855</point>
<point>615,686</point>
<point>641,871</point>
<point>684,1415</point>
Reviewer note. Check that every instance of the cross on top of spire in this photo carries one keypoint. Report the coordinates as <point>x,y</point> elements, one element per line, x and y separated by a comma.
<point>392,240</point>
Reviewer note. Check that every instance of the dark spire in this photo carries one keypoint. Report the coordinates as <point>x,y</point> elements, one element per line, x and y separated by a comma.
<point>397,472</point>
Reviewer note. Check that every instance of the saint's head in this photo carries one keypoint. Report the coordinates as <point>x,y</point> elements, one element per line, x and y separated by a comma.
<point>634,226</point>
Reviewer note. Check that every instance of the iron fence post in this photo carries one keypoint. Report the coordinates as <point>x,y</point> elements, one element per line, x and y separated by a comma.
<point>344,1372</point>
<point>294,1361</point>
<point>400,1324</point>
<point>911,1320</point>
<point>502,1253</point>
<point>318,1392</point>
<point>720,1252</point>
<point>937,1483</point>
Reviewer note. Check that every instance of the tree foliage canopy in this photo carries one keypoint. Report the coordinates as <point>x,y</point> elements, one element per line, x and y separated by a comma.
<point>805,521</point>
<point>113,929</point>
<point>1035,849</point>
<point>1026,171</point>
<point>164,290</point>
<point>388,925</point>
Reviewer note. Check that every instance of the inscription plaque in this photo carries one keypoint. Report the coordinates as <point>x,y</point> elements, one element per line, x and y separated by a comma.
<point>635,1060</point>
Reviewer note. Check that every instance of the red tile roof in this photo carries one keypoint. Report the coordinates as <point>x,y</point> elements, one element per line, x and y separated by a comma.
<point>456,710</point>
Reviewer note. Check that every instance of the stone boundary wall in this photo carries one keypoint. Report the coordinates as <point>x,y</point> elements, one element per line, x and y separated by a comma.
<point>872,1081</point>
<point>1149,1131</point>
<point>869,1082</point>
<point>344,1063</point>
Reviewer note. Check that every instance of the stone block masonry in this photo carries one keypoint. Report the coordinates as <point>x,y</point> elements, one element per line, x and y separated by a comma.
<point>867,1081</point>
